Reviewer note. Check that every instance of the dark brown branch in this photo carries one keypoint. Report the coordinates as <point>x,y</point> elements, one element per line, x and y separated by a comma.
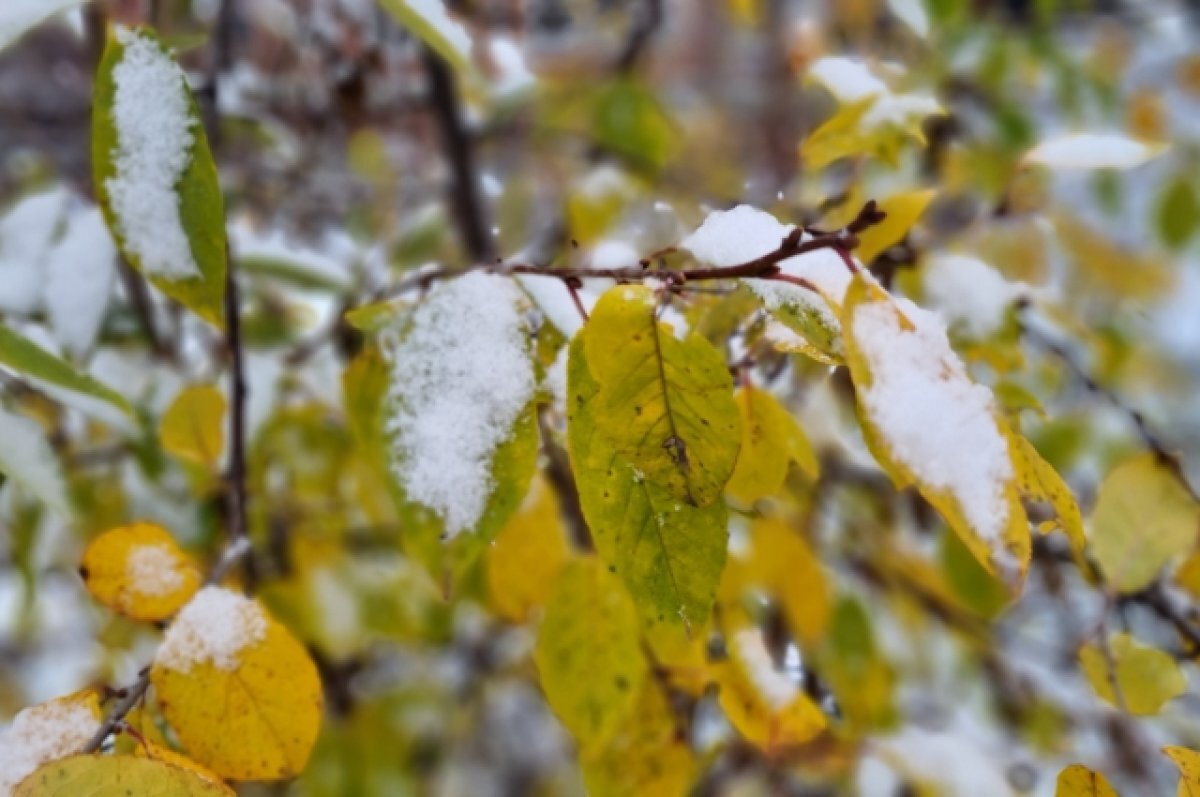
<point>468,207</point>
<point>647,19</point>
<point>236,475</point>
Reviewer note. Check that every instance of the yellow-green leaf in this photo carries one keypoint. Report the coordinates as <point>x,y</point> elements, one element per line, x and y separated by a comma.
<point>928,424</point>
<point>902,211</point>
<point>668,552</point>
<point>430,23</point>
<point>1079,781</point>
<point>1188,762</point>
<point>1146,677</point>
<point>117,776</point>
<point>154,174</point>
<point>1039,481</point>
<point>139,571</point>
<point>588,653</point>
<point>1144,520</point>
<point>771,441</point>
<point>26,357</point>
<point>192,428</point>
<point>526,556</point>
<point>241,693</point>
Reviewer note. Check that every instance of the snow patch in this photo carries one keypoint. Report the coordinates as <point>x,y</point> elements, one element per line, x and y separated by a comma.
<point>215,626</point>
<point>934,420</point>
<point>969,294</point>
<point>461,376</point>
<point>26,236</point>
<point>18,16</point>
<point>79,276</point>
<point>152,570</point>
<point>27,459</point>
<point>1093,151</point>
<point>154,140</point>
<point>774,685</point>
<point>41,734</point>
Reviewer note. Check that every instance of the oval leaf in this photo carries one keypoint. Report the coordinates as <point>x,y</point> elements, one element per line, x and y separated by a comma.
<point>192,427</point>
<point>771,441</point>
<point>1147,677</point>
<point>241,693</point>
<point>1079,781</point>
<point>117,776</point>
<point>154,174</point>
<point>139,571</point>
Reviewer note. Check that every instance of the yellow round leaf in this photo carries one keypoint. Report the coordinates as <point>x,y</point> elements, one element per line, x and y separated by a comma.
<point>1079,781</point>
<point>116,776</point>
<point>1147,677</point>
<point>241,693</point>
<point>139,571</point>
<point>192,427</point>
<point>157,752</point>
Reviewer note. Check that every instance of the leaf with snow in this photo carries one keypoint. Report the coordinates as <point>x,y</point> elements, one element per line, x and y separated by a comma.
<point>929,424</point>
<point>27,234</point>
<point>461,387</point>
<point>139,571</point>
<point>44,733</point>
<point>19,16</point>
<point>154,174</point>
<point>732,237</point>
<point>26,357</point>
<point>429,21</point>
<point>80,269</point>
<point>112,775</point>
<point>240,692</point>
<point>27,459</point>
<point>969,294</point>
<point>1093,151</point>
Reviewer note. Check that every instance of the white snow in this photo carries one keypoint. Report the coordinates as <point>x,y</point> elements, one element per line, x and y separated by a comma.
<point>461,376</point>
<point>27,459</point>
<point>950,761</point>
<point>913,14</point>
<point>969,294</point>
<point>154,142</point>
<point>731,237</point>
<point>18,16</point>
<point>614,254</point>
<point>1093,151</point>
<point>41,734</point>
<point>215,626</point>
<point>512,73</point>
<point>249,243</point>
<point>79,278</point>
<point>933,419</point>
<point>772,683</point>
<point>551,296</point>
<point>851,80</point>
<point>27,233</point>
<point>153,570</point>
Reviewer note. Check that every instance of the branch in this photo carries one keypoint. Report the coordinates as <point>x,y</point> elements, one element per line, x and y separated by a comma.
<point>648,18</point>
<point>763,267</point>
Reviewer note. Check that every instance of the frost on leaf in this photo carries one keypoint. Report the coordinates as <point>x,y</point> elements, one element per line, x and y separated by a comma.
<point>214,628</point>
<point>154,140</point>
<point>461,377</point>
<point>930,424</point>
<point>44,733</point>
<point>732,237</point>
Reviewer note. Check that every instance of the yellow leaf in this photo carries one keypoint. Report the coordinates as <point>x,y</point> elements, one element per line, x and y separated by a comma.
<point>928,424</point>
<point>588,654</point>
<point>156,752</point>
<point>191,428</point>
<point>902,211</point>
<point>763,703</point>
<point>1147,677</point>
<point>139,571</point>
<point>527,555</point>
<point>840,136</point>
<point>1144,519</point>
<point>647,754</point>
<point>44,733</point>
<point>1079,781</point>
<point>117,776</point>
<point>1038,481</point>
<point>241,693</point>
<point>771,440</point>
<point>782,563</point>
<point>1188,762</point>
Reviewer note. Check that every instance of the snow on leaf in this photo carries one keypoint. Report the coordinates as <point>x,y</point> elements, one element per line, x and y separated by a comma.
<point>27,234</point>
<point>27,459</point>
<point>46,732</point>
<point>1093,151</point>
<point>139,571</point>
<point>79,277</point>
<point>155,176</point>
<point>971,295</point>
<point>461,378</point>
<point>18,16</point>
<point>928,423</point>
<point>97,774</point>
<point>241,693</point>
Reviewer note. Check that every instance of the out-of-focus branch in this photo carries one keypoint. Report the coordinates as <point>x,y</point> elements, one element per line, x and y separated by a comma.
<point>459,152</point>
<point>647,19</point>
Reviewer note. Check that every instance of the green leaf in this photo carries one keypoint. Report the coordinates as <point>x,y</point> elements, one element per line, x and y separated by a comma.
<point>588,652</point>
<point>669,552</point>
<point>132,164</point>
<point>117,776</point>
<point>1144,519</point>
<point>430,23</point>
<point>26,357</point>
<point>1178,212</point>
<point>1147,677</point>
<point>629,120</point>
